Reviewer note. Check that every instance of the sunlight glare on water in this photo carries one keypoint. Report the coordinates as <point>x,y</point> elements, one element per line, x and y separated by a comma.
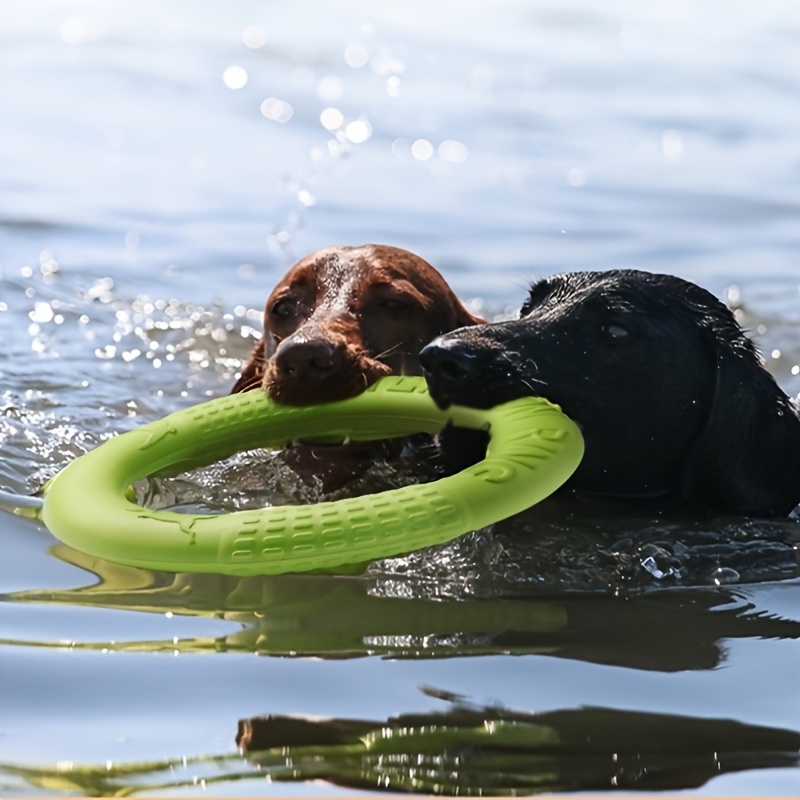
<point>162,165</point>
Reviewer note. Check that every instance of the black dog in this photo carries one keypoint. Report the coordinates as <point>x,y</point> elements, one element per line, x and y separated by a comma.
<point>670,394</point>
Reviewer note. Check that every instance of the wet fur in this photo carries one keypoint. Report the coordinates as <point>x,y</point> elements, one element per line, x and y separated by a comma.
<point>670,393</point>
<point>343,317</point>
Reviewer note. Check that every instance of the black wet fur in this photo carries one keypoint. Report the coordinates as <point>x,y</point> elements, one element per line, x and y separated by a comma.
<point>670,394</point>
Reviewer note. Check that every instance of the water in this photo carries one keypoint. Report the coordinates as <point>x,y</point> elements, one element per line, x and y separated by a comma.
<point>146,209</point>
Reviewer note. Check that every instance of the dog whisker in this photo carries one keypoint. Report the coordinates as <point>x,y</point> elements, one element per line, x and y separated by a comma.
<point>529,384</point>
<point>390,351</point>
<point>253,383</point>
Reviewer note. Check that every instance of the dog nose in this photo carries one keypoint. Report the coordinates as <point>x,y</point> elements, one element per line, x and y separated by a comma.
<point>448,360</point>
<point>308,360</point>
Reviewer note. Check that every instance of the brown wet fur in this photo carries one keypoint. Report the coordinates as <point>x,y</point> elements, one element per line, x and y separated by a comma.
<point>342,317</point>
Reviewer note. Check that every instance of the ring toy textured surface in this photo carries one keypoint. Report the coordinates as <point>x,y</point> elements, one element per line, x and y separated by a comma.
<point>533,449</point>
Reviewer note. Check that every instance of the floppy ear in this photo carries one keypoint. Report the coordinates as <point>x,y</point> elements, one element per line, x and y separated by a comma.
<point>747,457</point>
<point>464,317</point>
<point>458,316</point>
<point>253,372</point>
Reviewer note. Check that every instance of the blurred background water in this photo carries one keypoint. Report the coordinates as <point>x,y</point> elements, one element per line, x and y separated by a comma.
<point>162,164</point>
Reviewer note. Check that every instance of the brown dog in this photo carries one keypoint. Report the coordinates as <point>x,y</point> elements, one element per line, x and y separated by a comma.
<point>343,317</point>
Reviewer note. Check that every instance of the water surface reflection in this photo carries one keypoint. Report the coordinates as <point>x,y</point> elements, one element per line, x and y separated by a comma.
<point>329,616</point>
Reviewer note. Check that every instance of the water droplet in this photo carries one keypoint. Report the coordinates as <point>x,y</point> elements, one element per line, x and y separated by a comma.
<point>306,198</point>
<point>453,151</point>
<point>331,119</point>
<point>234,77</point>
<point>358,131</point>
<point>356,55</point>
<point>422,149</point>
<point>725,575</point>
<point>42,312</point>
<point>254,37</point>
<point>400,148</point>
<point>277,110</point>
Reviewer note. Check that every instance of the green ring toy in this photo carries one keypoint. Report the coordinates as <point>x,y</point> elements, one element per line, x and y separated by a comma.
<point>533,449</point>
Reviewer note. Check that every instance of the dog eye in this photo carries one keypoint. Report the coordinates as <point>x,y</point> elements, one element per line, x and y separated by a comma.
<point>615,331</point>
<point>284,308</point>
<point>393,304</point>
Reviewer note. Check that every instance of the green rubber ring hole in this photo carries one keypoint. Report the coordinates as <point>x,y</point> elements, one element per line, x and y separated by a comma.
<point>533,449</point>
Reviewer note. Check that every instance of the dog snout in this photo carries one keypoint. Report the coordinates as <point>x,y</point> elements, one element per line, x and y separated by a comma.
<point>450,367</point>
<point>448,360</point>
<point>308,361</point>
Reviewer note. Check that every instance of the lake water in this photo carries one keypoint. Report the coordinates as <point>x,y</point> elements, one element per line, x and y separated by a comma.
<point>162,164</point>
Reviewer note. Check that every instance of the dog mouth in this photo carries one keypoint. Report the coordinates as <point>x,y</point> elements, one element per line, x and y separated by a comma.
<point>442,397</point>
<point>496,390</point>
<point>459,372</point>
<point>299,390</point>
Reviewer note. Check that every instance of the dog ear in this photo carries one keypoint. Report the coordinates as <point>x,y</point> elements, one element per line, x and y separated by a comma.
<point>460,317</point>
<point>466,318</point>
<point>747,457</point>
<point>253,372</point>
